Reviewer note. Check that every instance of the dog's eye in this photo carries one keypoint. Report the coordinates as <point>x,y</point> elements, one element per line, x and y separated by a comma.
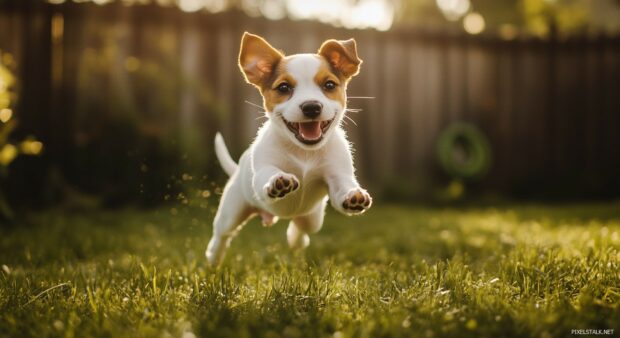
<point>329,85</point>
<point>284,88</point>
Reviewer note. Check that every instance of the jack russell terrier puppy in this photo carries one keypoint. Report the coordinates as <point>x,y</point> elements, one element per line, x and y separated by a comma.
<point>300,156</point>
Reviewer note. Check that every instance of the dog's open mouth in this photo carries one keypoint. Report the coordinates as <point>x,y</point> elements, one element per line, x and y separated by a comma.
<point>309,132</point>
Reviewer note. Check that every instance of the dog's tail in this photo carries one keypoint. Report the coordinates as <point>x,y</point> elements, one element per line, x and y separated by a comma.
<point>228,164</point>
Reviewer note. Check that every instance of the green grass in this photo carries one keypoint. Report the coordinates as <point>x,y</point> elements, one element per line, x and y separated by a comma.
<point>530,271</point>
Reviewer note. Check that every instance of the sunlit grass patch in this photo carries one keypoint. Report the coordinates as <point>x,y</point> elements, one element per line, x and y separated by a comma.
<point>397,271</point>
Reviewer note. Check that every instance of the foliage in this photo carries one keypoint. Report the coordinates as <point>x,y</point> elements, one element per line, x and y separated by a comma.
<point>534,17</point>
<point>565,16</point>
<point>137,97</point>
<point>397,271</point>
<point>10,151</point>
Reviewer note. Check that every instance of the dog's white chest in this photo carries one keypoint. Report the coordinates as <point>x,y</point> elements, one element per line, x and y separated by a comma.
<point>312,187</point>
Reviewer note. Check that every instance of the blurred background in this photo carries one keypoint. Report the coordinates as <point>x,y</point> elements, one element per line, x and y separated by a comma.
<point>109,103</point>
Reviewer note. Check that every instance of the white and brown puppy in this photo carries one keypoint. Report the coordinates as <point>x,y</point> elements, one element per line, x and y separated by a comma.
<point>301,156</point>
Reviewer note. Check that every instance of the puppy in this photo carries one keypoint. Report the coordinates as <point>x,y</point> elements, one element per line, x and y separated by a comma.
<point>300,157</point>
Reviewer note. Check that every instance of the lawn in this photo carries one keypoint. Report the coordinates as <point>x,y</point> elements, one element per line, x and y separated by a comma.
<point>515,271</point>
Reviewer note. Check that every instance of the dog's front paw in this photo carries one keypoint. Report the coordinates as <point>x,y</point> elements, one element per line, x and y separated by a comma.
<point>281,185</point>
<point>356,201</point>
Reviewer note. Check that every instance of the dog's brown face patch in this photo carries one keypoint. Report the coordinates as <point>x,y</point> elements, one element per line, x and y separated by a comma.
<point>273,90</point>
<point>333,86</point>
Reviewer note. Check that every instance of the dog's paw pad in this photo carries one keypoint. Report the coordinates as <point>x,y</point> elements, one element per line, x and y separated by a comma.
<point>282,185</point>
<point>357,201</point>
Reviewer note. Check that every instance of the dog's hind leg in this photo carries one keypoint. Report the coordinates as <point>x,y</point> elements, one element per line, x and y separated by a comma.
<point>231,215</point>
<point>300,227</point>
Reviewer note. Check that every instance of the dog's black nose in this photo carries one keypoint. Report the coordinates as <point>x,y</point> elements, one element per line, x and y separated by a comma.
<point>311,109</point>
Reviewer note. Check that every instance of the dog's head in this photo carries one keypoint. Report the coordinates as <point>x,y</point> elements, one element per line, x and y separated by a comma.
<point>304,94</point>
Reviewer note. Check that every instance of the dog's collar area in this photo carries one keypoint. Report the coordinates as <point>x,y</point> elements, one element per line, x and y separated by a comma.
<point>309,132</point>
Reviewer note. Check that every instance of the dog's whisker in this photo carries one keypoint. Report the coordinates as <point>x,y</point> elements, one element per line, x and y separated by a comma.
<point>350,119</point>
<point>361,97</point>
<point>255,105</point>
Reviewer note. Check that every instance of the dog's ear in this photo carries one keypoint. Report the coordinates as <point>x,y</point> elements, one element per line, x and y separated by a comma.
<point>257,59</point>
<point>342,56</point>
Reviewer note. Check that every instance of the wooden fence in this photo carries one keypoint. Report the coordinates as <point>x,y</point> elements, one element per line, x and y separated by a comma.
<point>551,109</point>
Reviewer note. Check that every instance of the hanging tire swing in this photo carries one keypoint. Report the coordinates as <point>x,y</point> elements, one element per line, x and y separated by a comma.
<point>464,152</point>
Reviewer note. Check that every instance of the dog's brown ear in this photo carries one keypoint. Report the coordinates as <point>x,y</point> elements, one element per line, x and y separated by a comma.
<point>257,59</point>
<point>342,55</point>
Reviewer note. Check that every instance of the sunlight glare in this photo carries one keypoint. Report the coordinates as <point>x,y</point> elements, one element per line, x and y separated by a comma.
<point>273,9</point>
<point>5,115</point>
<point>473,23</point>
<point>251,8</point>
<point>372,13</point>
<point>7,154</point>
<point>453,9</point>
<point>31,147</point>
<point>378,14</point>
<point>216,6</point>
<point>303,9</point>
<point>191,5</point>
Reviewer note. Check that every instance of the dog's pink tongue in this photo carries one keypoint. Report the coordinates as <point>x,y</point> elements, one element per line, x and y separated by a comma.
<point>310,130</point>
